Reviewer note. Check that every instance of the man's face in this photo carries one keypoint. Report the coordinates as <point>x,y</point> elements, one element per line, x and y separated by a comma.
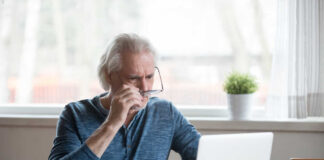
<point>137,70</point>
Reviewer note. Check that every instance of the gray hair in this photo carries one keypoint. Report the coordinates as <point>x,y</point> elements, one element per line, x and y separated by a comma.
<point>124,43</point>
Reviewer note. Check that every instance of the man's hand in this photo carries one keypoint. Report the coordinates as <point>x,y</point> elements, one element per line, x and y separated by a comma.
<point>124,100</point>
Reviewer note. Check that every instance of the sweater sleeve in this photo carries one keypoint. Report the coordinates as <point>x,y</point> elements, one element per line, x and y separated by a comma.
<point>67,144</point>
<point>186,137</point>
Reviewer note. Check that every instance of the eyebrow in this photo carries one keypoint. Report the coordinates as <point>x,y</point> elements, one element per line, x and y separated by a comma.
<point>133,76</point>
<point>137,76</point>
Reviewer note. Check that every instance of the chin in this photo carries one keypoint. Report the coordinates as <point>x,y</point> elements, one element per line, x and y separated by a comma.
<point>144,102</point>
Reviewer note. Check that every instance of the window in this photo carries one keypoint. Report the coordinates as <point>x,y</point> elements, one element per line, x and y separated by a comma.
<point>49,50</point>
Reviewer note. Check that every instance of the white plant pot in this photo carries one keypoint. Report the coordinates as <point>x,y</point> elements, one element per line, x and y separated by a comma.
<point>240,106</point>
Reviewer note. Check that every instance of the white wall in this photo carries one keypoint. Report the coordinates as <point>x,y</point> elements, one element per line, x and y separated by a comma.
<point>25,143</point>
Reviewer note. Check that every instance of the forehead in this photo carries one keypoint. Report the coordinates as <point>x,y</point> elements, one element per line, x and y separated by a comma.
<point>137,62</point>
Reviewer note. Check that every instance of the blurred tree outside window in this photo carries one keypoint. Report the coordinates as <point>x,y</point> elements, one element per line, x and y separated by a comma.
<point>50,49</point>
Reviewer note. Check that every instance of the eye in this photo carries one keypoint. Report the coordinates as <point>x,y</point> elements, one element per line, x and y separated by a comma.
<point>149,77</point>
<point>133,78</point>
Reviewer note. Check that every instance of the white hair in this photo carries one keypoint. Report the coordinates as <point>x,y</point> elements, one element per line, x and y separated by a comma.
<point>124,43</point>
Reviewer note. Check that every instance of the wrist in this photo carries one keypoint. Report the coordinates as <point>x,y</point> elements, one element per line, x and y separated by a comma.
<point>111,127</point>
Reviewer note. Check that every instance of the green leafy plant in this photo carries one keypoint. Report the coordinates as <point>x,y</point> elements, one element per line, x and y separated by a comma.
<point>240,83</point>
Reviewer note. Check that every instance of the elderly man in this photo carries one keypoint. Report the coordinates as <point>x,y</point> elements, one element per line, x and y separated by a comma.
<point>124,123</point>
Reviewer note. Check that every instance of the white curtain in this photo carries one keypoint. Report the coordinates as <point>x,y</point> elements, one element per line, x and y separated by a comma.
<point>297,77</point>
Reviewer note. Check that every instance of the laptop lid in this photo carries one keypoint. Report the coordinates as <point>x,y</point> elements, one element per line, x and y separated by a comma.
<point>245,146</point>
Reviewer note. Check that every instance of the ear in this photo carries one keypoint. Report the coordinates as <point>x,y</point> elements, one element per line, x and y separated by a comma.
<point>108,77</point>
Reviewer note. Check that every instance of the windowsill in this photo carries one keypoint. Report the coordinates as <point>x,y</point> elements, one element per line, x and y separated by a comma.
<point>201,123</point>
<point>204,119</point>
<point>289,125</point>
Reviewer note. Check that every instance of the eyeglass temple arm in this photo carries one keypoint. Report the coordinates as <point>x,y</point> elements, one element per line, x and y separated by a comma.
<point>160,77</point>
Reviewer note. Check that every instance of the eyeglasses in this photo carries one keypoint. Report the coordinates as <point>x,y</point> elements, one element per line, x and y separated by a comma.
<point>152,92</point>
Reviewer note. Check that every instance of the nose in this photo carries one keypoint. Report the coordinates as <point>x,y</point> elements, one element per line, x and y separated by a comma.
<point>143,86</point>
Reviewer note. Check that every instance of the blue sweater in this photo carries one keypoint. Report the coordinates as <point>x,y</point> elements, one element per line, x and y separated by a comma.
<point>152,133</point>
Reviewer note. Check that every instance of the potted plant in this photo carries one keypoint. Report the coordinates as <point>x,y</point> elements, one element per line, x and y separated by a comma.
<point>240,88</point>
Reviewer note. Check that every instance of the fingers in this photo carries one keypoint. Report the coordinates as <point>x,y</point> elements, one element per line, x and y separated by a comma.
<point>122,102</point>
<point>128,96</point>
<point>131,94</point>
<point>136,106</point>
<point>133,100</point>
<point>125,89</point>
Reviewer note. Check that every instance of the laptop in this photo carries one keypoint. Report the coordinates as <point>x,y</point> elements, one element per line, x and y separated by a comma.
<point>245,146</point>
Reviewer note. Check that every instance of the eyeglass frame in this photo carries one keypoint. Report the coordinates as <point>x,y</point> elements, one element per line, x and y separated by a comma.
<point>152,92</point>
